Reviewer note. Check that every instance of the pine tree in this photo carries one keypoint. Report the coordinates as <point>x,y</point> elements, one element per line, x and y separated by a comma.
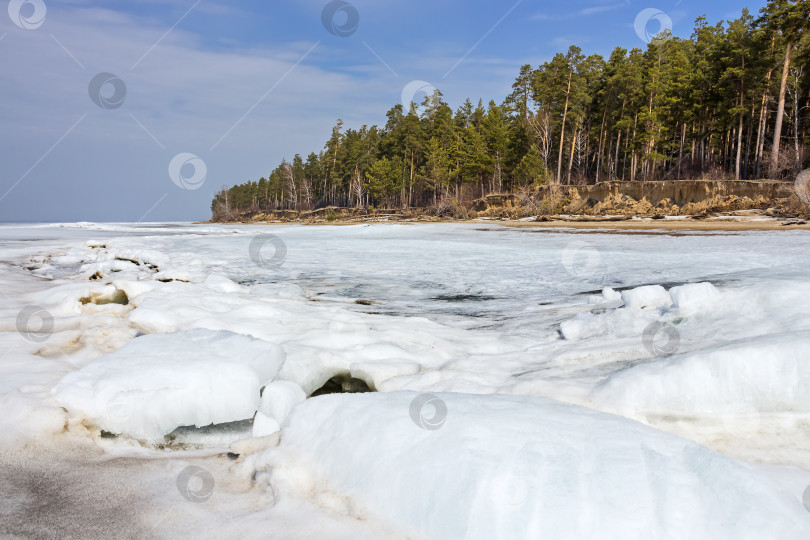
<point>789,19</point>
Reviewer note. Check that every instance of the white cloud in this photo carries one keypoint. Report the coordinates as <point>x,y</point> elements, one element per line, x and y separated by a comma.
<point>595,10</point>
<point>187,97</point>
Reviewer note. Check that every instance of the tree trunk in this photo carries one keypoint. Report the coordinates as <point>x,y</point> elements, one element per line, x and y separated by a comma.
<point>694,143</point>
<point>562,131</point>
<point>571,158</point>
<point>739,143</point>
<point>618,145</point>
<point>633,159</point>
<point>410,183</point>
<point>749,137</point>
<point>680,152</point>
<point>798,157</point>
<point>763,122</point>
<point>780,112</point>
<point>624,160</point>
<point>727,149</point>
<point>601,145</point>
<point>763,115</point>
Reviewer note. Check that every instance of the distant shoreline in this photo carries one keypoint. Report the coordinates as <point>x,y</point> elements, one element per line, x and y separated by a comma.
<point>648,224</point>
<point>670,204</point>
<point>731,223</point>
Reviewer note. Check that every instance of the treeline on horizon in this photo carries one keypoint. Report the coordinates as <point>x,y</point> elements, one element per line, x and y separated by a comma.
<point>705,107</point>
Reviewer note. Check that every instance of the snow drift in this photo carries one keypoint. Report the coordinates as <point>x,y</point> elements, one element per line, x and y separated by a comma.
<point>768,374</point>
<point>509,467</point>
<point>156,383</point>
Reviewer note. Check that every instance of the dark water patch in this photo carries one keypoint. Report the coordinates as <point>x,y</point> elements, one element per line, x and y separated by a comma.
<point>31,239</point>
<point>469,314</point>
<point>463,298</point>
<point>237,426</point>
<point>342,384</point>
<point>531,371</point>
<point>136,262</point>
<point>193,437</point>
<point>612,368</point>
<point>495,326</point>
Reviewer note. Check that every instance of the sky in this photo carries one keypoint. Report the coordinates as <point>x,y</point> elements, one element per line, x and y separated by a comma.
<point>142,111</point>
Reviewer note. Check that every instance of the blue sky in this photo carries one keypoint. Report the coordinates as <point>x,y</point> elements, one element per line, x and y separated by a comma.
<point>242,85</point>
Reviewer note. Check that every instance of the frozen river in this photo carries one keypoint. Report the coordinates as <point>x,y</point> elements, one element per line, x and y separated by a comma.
<point>116,335</point>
